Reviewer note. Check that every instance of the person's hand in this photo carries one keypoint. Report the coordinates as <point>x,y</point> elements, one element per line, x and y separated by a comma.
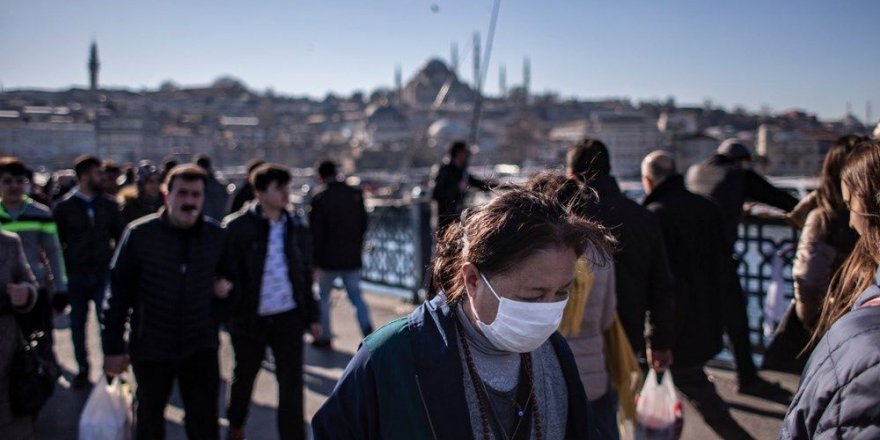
<point>316,331</point>
<point>19,294</point>
<point>222,287</point>
<point>660,360</point>
<point>115,365</point>
<point>60,301</point>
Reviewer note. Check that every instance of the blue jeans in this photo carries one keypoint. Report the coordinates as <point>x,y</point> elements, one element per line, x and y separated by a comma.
<point>351,279</point>
<point>82,289</point>
<point>605,411</point>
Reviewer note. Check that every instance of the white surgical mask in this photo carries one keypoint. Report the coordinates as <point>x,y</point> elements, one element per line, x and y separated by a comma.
<point>520,327</point>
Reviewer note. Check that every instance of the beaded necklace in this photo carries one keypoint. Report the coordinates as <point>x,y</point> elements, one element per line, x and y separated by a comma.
<point>483,395</point>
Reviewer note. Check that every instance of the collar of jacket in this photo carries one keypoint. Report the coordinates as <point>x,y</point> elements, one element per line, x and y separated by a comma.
<point>672,184</point>
<point>438,369</point>
<point>435,349</point>
<point>25,202</point>
<point>605,186</point>
<point>256,210</point>
<point>869,294</point>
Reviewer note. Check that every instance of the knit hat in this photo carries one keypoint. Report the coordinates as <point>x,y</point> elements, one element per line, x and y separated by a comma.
<point>734,149</point>
<point>145,170</point>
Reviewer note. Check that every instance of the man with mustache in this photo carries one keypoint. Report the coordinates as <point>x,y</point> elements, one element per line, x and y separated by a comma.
<point>162,283</point>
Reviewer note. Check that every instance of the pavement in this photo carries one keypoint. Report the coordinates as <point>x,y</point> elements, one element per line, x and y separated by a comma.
<point>59,419</point>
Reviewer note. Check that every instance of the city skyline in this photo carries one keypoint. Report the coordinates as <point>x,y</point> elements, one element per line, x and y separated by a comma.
<point>749,55</point>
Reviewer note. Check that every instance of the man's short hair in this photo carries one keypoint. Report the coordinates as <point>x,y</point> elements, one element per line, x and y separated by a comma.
<point>588,158</point>
<point>14,167</point>
<point>327,169</point>
<point>85,164</point>
<point>202,160</point>
<point>265,174</point>
<point>253,164</point>
<point>111,167</point>
<point>658,165</point>
<point>185,172</point>
<point>457,147</point>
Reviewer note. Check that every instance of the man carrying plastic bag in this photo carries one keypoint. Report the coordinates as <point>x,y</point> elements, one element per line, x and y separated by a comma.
<point>107,414</point>
<point>658,412</point>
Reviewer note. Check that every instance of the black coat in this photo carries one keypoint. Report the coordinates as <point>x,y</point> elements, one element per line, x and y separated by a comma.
<point>448,194</point>
<point>163,280</point>
<point>694,235</point>
<point>338,221</point>
<point>244,261</point>
<point>87,243</point>
<point>244,194</point>
<point>644,281</point>
<point>719,180</point>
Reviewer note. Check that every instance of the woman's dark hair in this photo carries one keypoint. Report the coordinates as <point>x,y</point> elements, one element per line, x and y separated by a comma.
<point>861,175</point>
<point>829,198</point>
<point>502,233</point>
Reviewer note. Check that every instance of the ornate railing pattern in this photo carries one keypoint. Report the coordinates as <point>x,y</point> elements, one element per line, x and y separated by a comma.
<point>761,240</point>
<point>398,250</point>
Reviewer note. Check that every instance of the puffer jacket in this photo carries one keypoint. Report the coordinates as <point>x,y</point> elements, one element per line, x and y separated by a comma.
<point>587,345</point>
<point>838,395</point>
<point>821,250</point>
<point>162,284</point>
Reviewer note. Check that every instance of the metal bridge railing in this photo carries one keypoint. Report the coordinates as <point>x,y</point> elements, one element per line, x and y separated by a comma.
<point>398,250</point>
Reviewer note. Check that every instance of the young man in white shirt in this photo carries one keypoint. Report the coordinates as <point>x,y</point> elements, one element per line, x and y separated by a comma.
<point>270,301</point>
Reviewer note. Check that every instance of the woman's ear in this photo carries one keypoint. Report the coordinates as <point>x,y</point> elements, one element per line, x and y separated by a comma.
<point>471,275</point>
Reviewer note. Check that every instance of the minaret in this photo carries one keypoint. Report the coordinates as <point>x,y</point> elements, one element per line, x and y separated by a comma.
<point>527,78</point>
<point>454,58</point>
<point>398,84</point>
<point>94,65</point>
<point>476,61</point>
<point>502,81</point>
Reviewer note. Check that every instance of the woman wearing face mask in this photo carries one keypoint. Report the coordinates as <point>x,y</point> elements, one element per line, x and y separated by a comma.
<point>838,395</point>
<point>482,359</point>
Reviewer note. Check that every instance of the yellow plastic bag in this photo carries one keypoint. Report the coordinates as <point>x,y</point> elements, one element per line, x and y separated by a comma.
<point>623,368</point>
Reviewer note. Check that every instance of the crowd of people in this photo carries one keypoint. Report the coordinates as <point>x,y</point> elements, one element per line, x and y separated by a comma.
<point>526,294</point>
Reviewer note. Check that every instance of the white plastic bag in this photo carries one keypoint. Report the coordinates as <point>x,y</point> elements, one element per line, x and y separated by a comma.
<point>658,411</point>
<point>107,414</point>
<point>775,303</point>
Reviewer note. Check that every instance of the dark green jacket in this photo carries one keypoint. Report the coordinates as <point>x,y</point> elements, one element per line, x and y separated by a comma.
<point>405,382</point>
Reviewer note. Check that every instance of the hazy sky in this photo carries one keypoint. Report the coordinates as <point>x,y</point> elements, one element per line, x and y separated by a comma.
<point>813,55</point>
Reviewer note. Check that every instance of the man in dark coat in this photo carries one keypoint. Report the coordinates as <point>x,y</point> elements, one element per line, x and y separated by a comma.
<point>727,179</point>
<point>216,195</point>
<point>89,225</point>
<point>693,233</point>
<point>644,281</point>
<point>339,222</point>
<point>245,192</point>
<point>451,182</point>
<point>164,286</point>
<point>271,301</point>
